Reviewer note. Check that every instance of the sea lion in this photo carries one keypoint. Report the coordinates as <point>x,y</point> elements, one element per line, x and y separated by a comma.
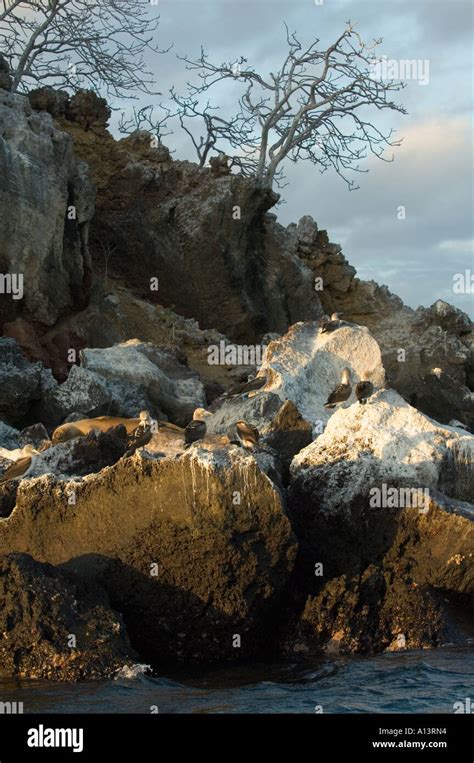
<point>82,428</point>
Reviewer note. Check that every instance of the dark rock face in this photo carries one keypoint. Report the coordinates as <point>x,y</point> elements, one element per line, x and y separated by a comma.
<point>6,79</point>
<point>85,107</point>
<point>9,437</point>
<point>288,433</point>
<point>373,612</point>
<point>51,628</point>
<point>22,383</point>
<point>207,234</point>
<point>217,268</point>
<point>386,574</point>
<point>49,99</point>
<point>441,397</point>
<point>197,575</point>
<point>90,454</point>
<point>47,200</point>
<point>34,435</point>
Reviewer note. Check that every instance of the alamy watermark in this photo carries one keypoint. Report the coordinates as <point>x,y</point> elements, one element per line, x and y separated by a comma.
<point>224,354</point>
<point>386,497</point>
<point>417,69</point>
<point>12,283</point>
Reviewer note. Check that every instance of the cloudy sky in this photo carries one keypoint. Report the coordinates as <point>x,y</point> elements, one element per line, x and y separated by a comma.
<point>432,175</point>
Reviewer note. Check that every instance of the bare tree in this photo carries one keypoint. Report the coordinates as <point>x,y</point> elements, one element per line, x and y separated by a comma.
<point>78,44</point>
<point>143,119</point>
<point>214,132</point>
<point>313,108</point>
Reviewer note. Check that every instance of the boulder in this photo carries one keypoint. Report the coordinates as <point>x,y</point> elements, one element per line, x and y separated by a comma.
<point>83,392</point>
<point>305,365</point>
<point>22,383</point>
<point>259,410</point>
<point>53,629</point>
<point>169,385</point>
<point>88,109</point>
<point>195,544</point>
<point>49,99</point>
<point>9,437</point>
<point>377,503</point>
<point>35,435</point>
<point>386,440</point>
<point>44,189</point>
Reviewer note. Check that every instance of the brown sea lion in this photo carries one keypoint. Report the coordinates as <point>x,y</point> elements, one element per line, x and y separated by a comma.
<point>82,428</point>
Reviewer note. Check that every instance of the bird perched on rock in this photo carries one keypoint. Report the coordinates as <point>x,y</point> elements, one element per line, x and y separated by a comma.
<point>196,429</point>
<point>331,325</point>
<point>244,434</point>
<point>323,321</point>
<point>364,389</point>
<point>342,392</point>
<point>21,466</point>
<point>18,453</point>
<point>141,436</point>
<point>253,384</point>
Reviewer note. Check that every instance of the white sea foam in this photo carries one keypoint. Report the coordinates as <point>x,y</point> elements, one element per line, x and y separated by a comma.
<point>130,672</point>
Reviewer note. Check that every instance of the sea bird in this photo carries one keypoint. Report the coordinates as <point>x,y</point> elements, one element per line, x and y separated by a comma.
<point>196,429</point>
<point>17,453</point>
<point>141,435</point>
<point>342,392</point>
<point>364,389</point>
<point>253,384</point>
<point>244,434</point>
<point>323,321</point>
<point>21,466</point>
<point>331,325</point>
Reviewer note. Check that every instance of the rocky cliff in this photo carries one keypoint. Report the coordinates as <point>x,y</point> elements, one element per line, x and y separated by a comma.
<point>134,265</point>
<point>47,200</point>
<point>200,243</point>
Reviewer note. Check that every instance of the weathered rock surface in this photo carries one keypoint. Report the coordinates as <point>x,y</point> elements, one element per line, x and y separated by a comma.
<point>386,440</point>
<point>168,384</point>
<point>188,565</point>
<point>9,437</point>
<point>383,561</point>
<point>22,383</point>
<point>83,392</point>
<point>41,237</point>
<point>302,367</point>
<point>207,233</point>
<point>305,365</point>
<point>437,337</point>
<point>52,628</point>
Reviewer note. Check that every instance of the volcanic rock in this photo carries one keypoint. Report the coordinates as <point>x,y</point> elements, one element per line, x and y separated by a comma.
<point>193,545</point>
<point>52,628</point>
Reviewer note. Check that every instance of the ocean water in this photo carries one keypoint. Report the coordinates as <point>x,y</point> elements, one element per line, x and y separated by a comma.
<point>403,682</point>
